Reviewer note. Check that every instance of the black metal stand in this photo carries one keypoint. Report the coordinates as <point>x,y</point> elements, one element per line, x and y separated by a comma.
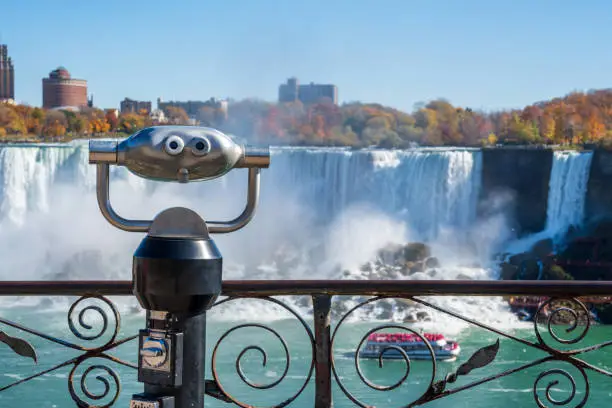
<point>177,277</point>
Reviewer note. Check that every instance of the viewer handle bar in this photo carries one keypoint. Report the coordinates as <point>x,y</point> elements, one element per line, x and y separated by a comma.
<point>102,187</point>
<point>214,227</point>
<point>224,227</point>
<point>254,157</point>
<point>103,151</point>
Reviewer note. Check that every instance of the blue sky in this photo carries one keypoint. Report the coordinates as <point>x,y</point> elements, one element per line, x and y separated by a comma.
<point>481,54</point>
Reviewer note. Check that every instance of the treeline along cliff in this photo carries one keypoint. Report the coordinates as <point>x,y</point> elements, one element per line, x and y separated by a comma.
<point>576,118</point>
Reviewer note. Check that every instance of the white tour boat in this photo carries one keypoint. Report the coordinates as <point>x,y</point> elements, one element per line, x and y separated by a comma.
<point>413,345</point>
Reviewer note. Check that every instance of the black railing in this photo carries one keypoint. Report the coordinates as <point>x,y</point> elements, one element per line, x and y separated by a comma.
<point>563,312</point>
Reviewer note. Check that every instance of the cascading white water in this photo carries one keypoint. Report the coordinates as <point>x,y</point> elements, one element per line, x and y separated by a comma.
<point>429,190</point>
<point>569,178</point>
<point>567,187</point>
<point>322,211</point>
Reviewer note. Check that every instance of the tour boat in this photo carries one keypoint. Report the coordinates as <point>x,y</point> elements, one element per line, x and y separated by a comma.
<point>413,345</point>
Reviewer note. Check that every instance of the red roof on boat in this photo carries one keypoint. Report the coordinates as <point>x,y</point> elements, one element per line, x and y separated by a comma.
<point>403,337</point>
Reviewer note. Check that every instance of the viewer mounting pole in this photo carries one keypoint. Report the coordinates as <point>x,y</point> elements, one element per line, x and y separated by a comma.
<point>177,269</point>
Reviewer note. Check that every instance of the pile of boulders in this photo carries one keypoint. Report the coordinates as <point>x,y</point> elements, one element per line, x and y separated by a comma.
<point>397,261</point>
<point>528,265</point>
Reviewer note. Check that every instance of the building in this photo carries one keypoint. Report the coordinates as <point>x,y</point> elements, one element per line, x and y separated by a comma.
<point>194,108</point>
<point>7,76</point>
<point>131,106</point>
<point>158,117</point>
<point>316,93</point>
<point>308,94</point>
<point>289,92</point>
<point>60,90</point>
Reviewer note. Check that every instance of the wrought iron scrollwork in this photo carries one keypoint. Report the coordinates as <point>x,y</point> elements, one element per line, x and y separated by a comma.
<point>570,312</point>
<point>434,389</point>
<point>101,369</point>
<point>552,383</point>
<point>19,346</point>
<point>106,376</point>
<point>381,354</point>
<point>100,312</point>
<point>479,359</point>
<point>572,316</point>
<point>223,394</point>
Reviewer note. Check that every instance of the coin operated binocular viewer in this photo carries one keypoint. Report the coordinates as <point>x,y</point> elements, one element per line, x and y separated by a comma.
<point>177,269</point>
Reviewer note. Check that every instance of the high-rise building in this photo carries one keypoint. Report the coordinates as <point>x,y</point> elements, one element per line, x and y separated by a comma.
<point>311,93</point>
<point>131,106</point>
<point>62,91</point>
<point>7,76</point>
<point>289,92</point>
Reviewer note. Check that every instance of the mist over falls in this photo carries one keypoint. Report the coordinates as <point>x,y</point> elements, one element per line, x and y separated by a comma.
<point>324,214</point>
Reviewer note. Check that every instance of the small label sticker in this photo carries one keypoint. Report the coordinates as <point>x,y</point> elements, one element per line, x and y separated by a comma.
<point>143,404</point>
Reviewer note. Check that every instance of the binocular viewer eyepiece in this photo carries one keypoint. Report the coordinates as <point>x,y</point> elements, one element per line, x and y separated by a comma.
<point>178,153</point>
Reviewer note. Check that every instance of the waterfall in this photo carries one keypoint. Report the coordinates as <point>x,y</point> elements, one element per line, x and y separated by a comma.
<point>47,197</point>
<point>427,189</point>
<point>569,178</point>
<point>322,212</point>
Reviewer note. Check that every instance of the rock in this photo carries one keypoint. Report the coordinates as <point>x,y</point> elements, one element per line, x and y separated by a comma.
<point>556,272</point>
<point>432,262</point>
<point>423,315</point>
<point>543,248</point>
<point>417,267</point>
<point>391,254</point>
<point>407,268</point>
<point>416,251</point>
<point>529,269</point>
<point>508,271</point>
<point>518,259</point>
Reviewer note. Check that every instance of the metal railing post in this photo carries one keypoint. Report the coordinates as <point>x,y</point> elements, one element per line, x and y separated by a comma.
<point>322,328</point>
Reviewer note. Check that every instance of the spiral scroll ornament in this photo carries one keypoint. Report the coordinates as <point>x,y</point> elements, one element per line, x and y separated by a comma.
<point>553,382</point>
<point>264,356</point>
<point>570,312</point>
<point>403,354</point>
<point>105,375</point>
<point>78,331</point>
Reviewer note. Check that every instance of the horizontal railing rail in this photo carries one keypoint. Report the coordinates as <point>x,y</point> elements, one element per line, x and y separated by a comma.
<point>561,306</point>
<point>329,287</point>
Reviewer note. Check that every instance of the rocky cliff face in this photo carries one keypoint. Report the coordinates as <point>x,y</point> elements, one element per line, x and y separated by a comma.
<point>521,175</point>
<point>599,193</point>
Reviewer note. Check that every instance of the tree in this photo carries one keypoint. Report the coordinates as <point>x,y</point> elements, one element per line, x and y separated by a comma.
<point>55,124</point>
<point>177,115</point>
<point>131,122</point>
<point>112,120</point>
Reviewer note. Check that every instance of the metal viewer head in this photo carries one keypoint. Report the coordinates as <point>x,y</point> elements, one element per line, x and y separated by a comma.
<point>181,154</point>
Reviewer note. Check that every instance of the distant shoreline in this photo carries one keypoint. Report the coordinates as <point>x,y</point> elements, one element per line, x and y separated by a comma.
<point>33,140</point>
